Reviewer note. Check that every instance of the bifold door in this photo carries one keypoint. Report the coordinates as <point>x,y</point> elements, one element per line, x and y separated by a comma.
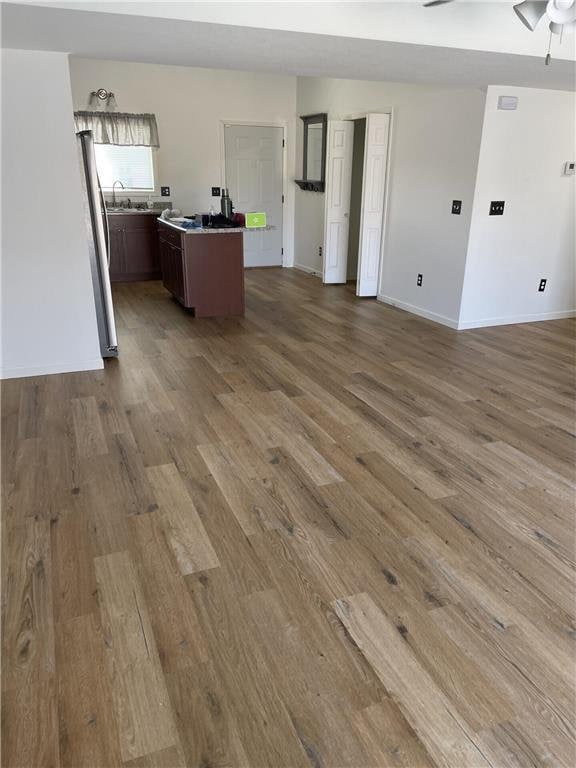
<point>337,202</point>
<point>373,197</point>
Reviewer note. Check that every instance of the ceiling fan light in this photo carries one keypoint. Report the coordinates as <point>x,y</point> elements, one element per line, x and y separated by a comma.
<point>530,12</point>
<point>561,11</point>
<point>567,29</point>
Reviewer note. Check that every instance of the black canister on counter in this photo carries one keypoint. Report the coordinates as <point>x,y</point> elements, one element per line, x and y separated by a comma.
<point>226,204</point>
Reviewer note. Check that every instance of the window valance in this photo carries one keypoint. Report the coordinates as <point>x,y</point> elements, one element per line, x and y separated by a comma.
<point>121,128</point>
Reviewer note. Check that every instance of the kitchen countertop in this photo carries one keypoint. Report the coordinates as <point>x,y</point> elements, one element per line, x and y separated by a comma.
<point>129,211</point>
<point>211,231</point>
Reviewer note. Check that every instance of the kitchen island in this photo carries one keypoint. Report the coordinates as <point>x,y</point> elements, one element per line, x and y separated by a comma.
<point>203,268</point>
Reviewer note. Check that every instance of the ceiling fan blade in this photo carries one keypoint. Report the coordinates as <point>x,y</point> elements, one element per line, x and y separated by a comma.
<point>432,3</point>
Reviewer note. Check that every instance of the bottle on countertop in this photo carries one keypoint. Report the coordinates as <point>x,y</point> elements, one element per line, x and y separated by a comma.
<point>226,206</point>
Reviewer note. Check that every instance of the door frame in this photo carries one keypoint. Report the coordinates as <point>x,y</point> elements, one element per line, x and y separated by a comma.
<point>260,124</point>
<point>383,241</point>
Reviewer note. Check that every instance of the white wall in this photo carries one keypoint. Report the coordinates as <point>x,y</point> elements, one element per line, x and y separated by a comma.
<point>434,150</point>
<point>521,161</point>
<point>190,105</point>
<point>48,313</point>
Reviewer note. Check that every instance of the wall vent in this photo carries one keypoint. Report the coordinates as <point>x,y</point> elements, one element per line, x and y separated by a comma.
<point>507,102</point>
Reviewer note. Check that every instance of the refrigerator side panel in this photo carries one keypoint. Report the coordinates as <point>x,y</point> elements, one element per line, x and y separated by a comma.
<point>98,249</point>
<point>96,284</point>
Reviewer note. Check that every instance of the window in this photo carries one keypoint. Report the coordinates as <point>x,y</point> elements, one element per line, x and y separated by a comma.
<point>133,166</point>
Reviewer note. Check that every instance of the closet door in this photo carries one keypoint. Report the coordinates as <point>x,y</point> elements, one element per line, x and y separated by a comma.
<point>337,200</point>
<point>373,199</point>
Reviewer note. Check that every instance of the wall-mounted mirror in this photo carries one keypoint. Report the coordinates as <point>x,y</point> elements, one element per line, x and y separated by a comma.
<point>314,154</point>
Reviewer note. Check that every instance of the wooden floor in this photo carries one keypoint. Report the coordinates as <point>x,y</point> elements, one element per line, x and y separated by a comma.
<point>327,534</point>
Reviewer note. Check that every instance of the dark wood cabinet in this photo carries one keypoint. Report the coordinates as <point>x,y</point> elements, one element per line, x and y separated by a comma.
<point>116,253</point>
<point>133,247</point>
<point>203,271</point>
<point>172,269</point>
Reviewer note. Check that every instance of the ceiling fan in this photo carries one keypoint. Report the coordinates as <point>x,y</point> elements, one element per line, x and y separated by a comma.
<point>561,13</point>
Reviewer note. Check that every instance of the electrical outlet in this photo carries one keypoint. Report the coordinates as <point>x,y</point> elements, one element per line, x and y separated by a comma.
<point>419,279</point>
<point>497,208</point>
<point>542,285</point>
<point>165,191</point>
<point>215,191</point>
<point>457,207</point>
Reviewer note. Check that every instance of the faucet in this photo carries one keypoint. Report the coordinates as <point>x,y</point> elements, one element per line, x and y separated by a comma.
<point>114,191</point>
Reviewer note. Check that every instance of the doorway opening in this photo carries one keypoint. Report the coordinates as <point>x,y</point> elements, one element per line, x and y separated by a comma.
<point>358,145</point>
<point>355,201</point>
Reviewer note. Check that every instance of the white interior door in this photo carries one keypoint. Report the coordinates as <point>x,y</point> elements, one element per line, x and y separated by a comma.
<point>337,200</point>
<point>253,165</point>
<point>373,198</point>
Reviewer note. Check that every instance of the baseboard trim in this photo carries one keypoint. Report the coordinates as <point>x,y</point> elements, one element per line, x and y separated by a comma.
<point>48,370</point>
<point>516,319</point>
<point>309,270</point>
<point>420,311</point>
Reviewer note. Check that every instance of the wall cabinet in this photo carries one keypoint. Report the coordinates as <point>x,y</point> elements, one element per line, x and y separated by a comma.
<point>133,247</point>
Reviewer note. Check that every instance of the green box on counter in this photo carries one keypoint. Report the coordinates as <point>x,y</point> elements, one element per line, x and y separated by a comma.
<point>255,220</point>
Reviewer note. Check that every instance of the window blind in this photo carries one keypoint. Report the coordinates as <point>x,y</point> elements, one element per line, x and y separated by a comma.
<point>133,166</point>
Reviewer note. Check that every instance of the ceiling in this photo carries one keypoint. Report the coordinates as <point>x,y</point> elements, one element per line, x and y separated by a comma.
<point>485,25</point>
<point>123,37</point>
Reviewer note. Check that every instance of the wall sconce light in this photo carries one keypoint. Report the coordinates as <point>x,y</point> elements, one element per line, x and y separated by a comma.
<point>102,98</point>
